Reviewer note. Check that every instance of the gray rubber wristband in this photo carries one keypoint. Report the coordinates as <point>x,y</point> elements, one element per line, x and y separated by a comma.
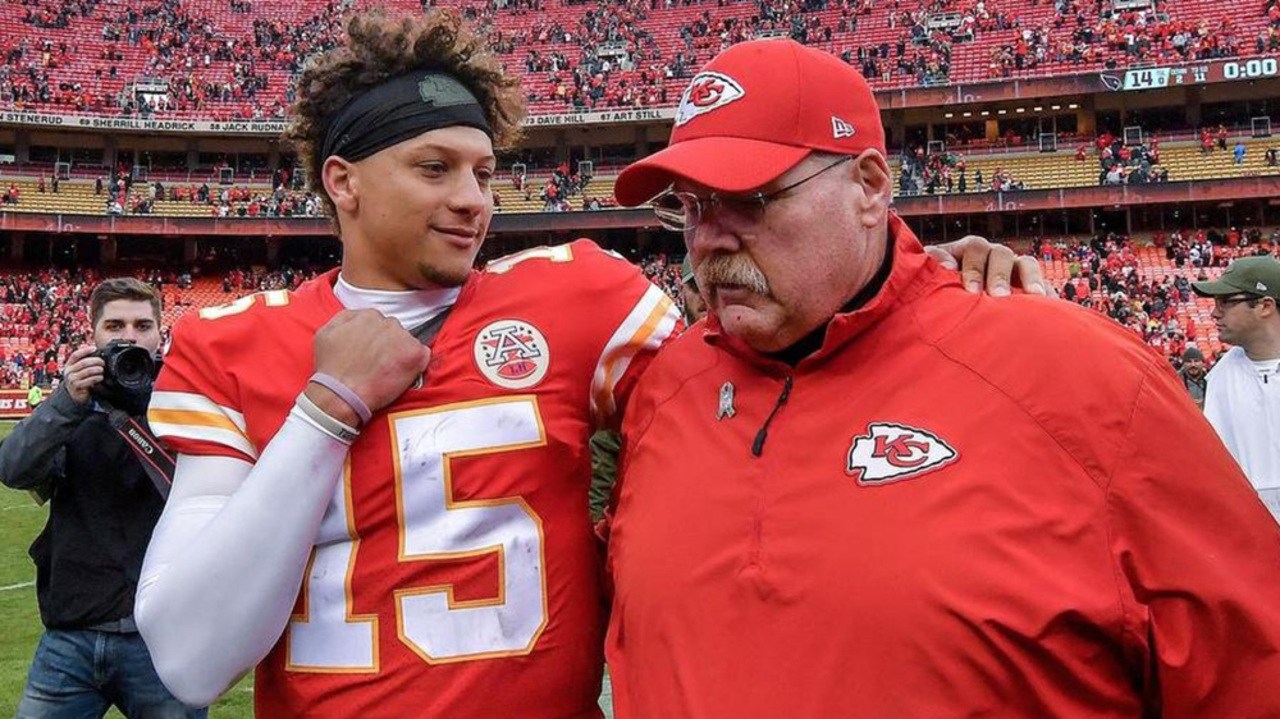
<point>324,422</point>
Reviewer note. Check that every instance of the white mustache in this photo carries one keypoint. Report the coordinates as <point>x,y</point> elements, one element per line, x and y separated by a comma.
<point>731,270</point>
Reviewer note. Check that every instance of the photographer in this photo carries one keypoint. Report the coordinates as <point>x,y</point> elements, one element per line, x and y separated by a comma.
<point>73,451</point>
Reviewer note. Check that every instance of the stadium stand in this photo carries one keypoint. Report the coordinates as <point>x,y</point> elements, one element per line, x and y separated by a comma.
<point>172,200</point>
<point>1147,287</point>
<point>1144,287</point>
<point>1028,169</point>
<point>212,59</point>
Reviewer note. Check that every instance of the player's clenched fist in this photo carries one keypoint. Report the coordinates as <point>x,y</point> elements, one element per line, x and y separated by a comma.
<point>369,353</point>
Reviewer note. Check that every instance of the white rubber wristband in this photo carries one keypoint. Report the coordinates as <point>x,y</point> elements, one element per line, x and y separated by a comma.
<point>323,421</point>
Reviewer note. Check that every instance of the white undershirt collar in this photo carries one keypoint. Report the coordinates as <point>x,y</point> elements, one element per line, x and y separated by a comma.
<point>411,308</point>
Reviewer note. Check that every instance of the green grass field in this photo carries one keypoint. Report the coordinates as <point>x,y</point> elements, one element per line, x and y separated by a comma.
<point>20,521</point>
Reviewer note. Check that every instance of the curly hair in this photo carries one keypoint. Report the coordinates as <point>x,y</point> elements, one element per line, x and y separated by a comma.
<point>380,47</point>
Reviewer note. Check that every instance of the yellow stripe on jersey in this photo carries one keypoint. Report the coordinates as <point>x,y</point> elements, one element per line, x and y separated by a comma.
<point>647,326</point>
<point>190,401</point>
<point>191,416</point>
<point>186,416</point>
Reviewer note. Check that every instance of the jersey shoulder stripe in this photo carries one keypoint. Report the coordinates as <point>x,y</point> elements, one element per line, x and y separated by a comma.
<point>652,320</point>
<point>229,363</point>
<point>191,416</point>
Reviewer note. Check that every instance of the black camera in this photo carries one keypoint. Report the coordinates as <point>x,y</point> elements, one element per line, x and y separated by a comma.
<point>127,376</point>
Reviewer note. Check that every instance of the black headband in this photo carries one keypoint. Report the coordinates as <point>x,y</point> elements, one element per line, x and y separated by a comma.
<point>398,109</point>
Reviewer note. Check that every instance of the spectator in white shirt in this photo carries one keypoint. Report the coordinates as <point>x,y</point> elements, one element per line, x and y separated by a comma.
<point>1243,398</point>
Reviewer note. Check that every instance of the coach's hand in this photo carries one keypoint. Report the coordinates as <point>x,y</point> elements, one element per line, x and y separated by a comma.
<point>82,372</point>
<point>984,265</point>
<point>369,353</point>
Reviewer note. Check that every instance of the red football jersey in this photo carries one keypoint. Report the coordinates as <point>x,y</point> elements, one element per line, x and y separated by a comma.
<point>456,573</point>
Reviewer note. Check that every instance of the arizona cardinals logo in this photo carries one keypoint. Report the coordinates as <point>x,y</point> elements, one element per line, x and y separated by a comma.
<point>889,452</point>
<point>708,91</point>
<point>512,354</point>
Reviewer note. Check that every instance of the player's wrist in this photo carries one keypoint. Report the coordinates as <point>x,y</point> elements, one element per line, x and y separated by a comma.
<point>328,402</point>
<point>345,394</point>
<point>309,412</point>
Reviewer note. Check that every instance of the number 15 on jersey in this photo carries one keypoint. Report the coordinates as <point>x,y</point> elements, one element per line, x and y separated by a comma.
<point>433,525</point>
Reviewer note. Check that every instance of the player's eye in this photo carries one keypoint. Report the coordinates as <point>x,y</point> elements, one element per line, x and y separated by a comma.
<point>433,169</point>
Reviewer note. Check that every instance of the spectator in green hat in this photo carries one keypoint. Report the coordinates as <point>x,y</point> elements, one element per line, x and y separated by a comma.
<point>1242,401</point>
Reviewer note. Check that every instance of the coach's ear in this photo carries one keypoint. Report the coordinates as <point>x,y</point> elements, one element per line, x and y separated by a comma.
<point>872,171</point>
<point>341,183</point>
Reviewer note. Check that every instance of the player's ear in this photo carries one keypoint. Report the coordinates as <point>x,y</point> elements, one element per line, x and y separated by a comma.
<point>341,183</point>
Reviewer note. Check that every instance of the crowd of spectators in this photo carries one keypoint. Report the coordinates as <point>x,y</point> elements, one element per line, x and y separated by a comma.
<point>126,196</point>
<point>559,189</point>
<point>244,280</point>
<point>558,192</point>
<point>664,272</point>
<point>210,62</point>
<point>1149,34</point>
<point>182,61</point>
<point>945,172</point>
<point>931,172</point>
<point>1120,163</point>
<point>1106,274</point>
<point>1087,32</point>
<point>50,308</point>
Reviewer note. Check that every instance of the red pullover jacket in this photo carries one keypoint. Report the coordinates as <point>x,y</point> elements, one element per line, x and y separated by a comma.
<point>961,507</point>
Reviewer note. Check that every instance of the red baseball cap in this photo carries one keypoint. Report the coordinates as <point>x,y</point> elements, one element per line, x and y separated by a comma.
<point>754,112</point>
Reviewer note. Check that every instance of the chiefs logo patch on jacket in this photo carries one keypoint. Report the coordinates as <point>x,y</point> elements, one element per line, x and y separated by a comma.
<point>889,452</point>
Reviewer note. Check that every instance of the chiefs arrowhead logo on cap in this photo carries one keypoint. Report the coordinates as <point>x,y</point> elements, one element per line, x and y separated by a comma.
<point>889,452</point>
<point>708,91</point>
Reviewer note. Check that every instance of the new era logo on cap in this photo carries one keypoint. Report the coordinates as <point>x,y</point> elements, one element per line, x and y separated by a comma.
<point>1261,287</point>
<point>840,128</point>
<point>706,92</point>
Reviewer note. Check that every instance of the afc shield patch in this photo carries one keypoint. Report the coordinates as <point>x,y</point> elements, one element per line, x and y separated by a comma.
<point>512,354</point>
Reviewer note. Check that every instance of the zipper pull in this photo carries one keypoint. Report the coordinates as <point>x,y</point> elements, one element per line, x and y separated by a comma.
<point>757,447</point>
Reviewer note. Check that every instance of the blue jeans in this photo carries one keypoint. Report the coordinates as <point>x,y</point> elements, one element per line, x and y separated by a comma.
<point>81,673</point>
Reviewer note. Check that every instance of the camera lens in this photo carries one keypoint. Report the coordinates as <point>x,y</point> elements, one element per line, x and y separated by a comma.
<point>133,368</point>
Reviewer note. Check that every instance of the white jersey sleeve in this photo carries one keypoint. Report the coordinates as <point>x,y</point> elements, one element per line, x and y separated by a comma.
<point>226,560</point>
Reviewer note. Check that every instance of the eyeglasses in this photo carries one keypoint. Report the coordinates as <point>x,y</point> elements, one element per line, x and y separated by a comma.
<point>1225,302</point>
<point>682,211</point>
